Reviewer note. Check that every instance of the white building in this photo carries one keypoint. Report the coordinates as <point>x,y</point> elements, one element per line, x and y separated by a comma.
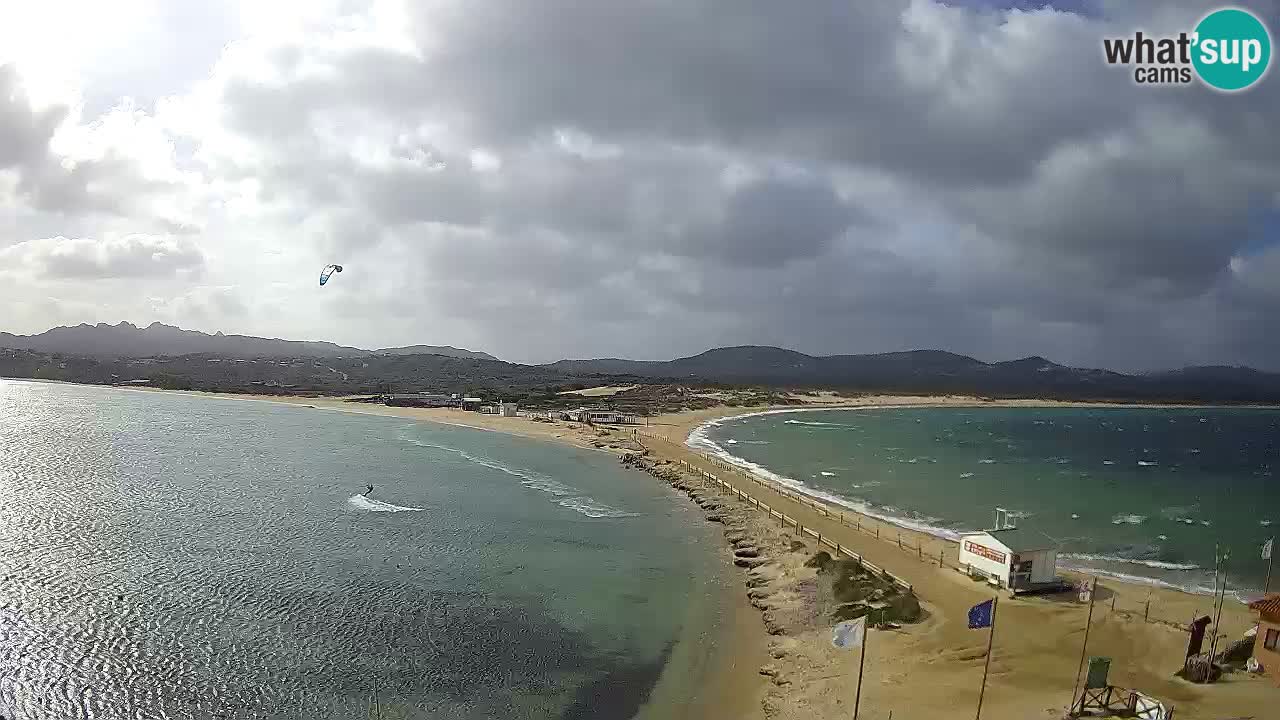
<point>506,409</point>
<point>1014,558</point>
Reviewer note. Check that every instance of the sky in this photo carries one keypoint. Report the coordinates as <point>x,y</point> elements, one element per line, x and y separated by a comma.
<point>643,179</point>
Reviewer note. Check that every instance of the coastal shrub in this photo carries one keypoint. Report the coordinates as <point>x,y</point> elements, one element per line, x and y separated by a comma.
<point>850,611</point>
<point>905,608</point>
<point>821,560</point>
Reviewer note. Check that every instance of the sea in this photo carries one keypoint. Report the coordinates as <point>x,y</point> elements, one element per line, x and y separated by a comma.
<point>181,556</point>
<point>1160,496</point>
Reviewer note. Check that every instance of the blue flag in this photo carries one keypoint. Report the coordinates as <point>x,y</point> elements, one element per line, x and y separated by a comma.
<point>980,614</point>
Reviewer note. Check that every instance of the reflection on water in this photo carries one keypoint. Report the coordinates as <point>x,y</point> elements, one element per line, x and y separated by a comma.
<point>178,557</point>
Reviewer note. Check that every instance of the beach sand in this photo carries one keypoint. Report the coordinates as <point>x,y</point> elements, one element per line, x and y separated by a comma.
<point>928,670</point>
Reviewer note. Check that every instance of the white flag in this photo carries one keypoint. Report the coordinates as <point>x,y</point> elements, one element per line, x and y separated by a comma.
<point>1266,549</point>
<point>849,634</point>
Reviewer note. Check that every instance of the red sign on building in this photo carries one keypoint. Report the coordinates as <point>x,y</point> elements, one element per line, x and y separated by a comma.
<point>984,551</point>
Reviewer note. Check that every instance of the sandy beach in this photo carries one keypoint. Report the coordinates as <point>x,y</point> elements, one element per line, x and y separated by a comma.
<point>931,669</point>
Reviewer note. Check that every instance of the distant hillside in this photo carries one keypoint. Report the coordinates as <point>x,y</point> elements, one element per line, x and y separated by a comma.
<point>356,374</point>
<point>936,371</point>
<point>157,339</point>
<point>445,350</point>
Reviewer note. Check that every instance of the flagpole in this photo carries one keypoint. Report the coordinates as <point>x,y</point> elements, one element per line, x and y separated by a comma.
<point>995,603</point>
<point>1266,586</point>
<point>1093,594</point>
<point>857,698</point>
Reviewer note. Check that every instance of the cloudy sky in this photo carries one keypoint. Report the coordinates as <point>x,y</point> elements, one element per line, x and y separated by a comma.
<point>648,178</point>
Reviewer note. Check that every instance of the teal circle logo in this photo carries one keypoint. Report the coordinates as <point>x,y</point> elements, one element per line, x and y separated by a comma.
<point>1232,49</point>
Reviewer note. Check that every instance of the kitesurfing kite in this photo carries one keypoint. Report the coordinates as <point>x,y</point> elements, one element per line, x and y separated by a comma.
<point>327,271</point>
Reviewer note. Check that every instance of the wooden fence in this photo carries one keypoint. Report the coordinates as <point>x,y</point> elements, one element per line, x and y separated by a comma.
<point>1122,600</point>
<point>782,518</point>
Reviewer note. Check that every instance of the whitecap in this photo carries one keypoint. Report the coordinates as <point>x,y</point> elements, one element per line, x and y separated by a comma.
<point>732,442</point>
<point>987,461</point>
<point>1108,462</point>
<point>593,509</point>
<point>1205,523</point>
<point>1162,537</point>
<point>1075,516</point>
<point>1147,463</point>
<point>824,473</point>
<point>1128,519</point>
<point>1264,523</point>
<point>1159,564</point>
<point>966,475</point>
<point>364,503</point>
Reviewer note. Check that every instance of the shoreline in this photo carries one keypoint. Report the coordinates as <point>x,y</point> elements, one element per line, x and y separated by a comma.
<point>1030,675</point>
<point>699,441</point>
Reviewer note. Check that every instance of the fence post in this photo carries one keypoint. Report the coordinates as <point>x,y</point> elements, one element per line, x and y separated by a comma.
<point>899,539</point>
<point>877,531</point>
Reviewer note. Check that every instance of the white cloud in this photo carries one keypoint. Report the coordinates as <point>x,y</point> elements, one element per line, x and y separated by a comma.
<point>130,256</point>
<point>544,180</point>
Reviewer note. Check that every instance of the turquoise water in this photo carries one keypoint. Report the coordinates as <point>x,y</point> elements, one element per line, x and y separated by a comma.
<point>1138,493</point>
<point>172,556</point>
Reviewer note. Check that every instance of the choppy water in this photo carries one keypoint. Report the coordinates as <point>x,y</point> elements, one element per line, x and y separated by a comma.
<point>1139,493</point>
<point>184,557</point>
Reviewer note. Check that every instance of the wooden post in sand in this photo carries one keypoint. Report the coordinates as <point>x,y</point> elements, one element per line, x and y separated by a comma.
<point>1087,624</point>
<point>857,698</point>
<point>995,603</point>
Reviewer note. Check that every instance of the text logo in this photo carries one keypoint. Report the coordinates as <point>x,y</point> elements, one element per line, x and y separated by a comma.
<point>984,551</point>
<point>1229,50</point>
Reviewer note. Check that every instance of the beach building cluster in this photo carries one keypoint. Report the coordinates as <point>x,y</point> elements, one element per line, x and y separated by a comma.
<point>588,415</point>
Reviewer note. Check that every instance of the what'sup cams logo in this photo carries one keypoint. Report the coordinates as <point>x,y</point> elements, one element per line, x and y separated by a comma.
<point>1229,50</point>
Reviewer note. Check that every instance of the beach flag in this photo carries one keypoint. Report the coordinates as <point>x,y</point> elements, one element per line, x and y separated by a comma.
<point>980,614</point>
<point>1266,549</point>
<point>849,634</point>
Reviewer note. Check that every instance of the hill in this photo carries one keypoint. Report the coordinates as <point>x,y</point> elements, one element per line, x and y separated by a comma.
<point>445,350</point>
<point>937,371</point>
<point>157,339</point>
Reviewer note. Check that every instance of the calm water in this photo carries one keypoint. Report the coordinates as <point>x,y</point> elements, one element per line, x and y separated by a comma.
<point>1152,490</point>
<point>183,557</point>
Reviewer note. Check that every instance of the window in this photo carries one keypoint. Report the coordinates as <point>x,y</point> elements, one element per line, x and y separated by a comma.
<point>1272,636</point>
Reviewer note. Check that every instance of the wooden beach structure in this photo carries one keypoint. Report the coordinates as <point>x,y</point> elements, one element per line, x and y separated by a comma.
<point>1266,644</point>
<point>1019,560</point>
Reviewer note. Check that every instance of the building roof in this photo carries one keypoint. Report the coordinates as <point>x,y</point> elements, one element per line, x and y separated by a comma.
<point>1269,604</point>
<point>1022,540</point>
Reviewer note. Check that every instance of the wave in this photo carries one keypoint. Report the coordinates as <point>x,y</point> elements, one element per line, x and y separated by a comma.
<point>571,497</point>
<point>824,473</point>
<point>1158,564</point>
<point>818,424</point>
<point>966,475</point>
<point>699,440</point>
<point>1130,519</point>
<point>593,509</point>
<point>364,503</point>
<point>987,461</point>
<point>1147,463</point>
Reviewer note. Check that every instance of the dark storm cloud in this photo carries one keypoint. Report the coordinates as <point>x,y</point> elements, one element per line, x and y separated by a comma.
<point>1010,193</point>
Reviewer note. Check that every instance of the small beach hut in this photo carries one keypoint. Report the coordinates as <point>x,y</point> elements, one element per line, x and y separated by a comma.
<point>1017,559</point>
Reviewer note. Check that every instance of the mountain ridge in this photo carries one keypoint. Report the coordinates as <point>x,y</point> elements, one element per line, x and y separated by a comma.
<point>124,339</point>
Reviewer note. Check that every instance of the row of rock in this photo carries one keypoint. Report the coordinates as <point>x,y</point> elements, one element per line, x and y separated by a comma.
<point>761,550</point>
